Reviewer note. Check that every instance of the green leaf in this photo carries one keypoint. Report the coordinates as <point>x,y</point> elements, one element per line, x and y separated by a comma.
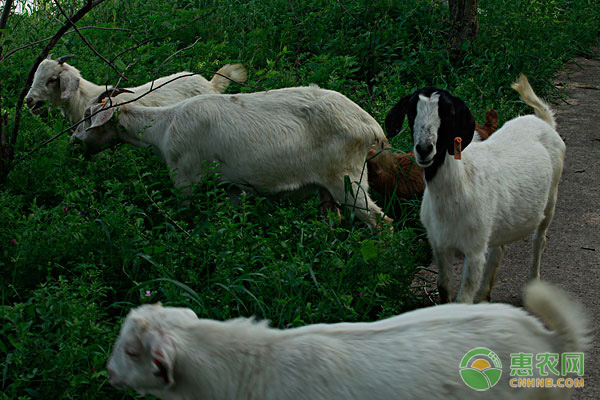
<point>368,249</point>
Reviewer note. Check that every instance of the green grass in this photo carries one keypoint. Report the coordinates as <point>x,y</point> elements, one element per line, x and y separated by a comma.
<point>82,242</point>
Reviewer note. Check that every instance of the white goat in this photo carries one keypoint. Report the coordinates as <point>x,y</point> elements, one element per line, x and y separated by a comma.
<point>62,85</point>
<point>268,142</point>
<point>503,189</point>
<point>173,355</point>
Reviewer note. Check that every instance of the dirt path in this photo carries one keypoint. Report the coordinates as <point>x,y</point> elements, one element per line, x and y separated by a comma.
<point>572,255</point>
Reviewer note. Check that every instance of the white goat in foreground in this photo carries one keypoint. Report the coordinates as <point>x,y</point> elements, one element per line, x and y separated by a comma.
<point>268,142</point>
<point>62,85</point>
<point>501,190</point>
<point>173,355</point>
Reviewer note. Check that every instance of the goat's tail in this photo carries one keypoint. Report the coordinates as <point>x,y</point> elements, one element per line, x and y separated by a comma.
<point>562,314</point>
<point>237,72</point>
<point>542,109</point>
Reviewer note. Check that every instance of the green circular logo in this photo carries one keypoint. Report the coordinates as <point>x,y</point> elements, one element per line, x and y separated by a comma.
<point>480,369</point>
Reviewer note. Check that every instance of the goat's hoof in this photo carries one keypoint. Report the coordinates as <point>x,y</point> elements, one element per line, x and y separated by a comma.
<point>387,221</point>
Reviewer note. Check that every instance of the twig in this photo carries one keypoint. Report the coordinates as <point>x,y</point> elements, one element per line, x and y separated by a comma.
<point>168,58</point>
<point>11,52</point>
<point>110,64</point>
<point>348,12</point>
<point>160,209</point>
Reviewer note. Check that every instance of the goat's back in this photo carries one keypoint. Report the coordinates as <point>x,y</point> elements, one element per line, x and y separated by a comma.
<point>307,134</point>
<point>170,89</point>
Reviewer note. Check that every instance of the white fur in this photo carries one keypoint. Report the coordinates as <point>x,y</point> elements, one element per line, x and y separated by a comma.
<point>426,125</point>
<point>63,86</point>
<point>503,189</point>
<point>268,142</point>
<point>175,356</point>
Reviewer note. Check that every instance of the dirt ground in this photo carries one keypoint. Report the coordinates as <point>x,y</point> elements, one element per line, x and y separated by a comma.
<point>571,258</point>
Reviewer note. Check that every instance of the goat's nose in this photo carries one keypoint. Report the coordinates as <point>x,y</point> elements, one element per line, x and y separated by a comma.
<point>112,377</point>
<point>76,147</point>
<point>30,102</point>
<point>424,150</point>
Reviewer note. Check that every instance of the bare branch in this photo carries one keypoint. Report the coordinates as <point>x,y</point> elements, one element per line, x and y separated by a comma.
<point>111,105</point>
<point>171,56</point>
<point>5,13</point>
<point>348,12</point>
<point>4,146</point>
<point>11,52</point>
<point>110,64</point>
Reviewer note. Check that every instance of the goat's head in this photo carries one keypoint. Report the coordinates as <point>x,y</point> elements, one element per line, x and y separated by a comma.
<point>55,81</point>
<point>143,357</point>
<point>98,131</point>
<point>435,118</point>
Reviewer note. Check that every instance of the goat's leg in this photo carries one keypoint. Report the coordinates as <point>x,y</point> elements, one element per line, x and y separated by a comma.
<point>327,202</point>
<point>358,200</point>
<point>471,276</point>
<point>539,236</point>
<point>234,193</point>
<point>445,278</point>
<point>489,275</point>
<point>183,183</point>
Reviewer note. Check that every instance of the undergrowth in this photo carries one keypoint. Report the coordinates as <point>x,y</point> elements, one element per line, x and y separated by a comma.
<point>82,242</point>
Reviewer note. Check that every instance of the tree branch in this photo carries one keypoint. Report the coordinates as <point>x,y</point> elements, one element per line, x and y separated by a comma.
<point>110,64</point>
<point>9,150</point>
<point>4,148</point>
<point>5,13</point>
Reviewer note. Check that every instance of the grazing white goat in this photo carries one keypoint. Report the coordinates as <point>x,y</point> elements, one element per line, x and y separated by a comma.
<point>268,142</point>
<point>62,85</point>
<point>501,190</point>
<point>171,354</point>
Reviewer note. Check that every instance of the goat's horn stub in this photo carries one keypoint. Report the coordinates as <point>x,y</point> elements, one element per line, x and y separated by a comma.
<point>111,93</point>
<point>49,56</point>
<point>61,60</point>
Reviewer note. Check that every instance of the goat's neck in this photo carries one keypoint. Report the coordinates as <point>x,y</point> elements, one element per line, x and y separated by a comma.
<point>448,175</point>
<point>145,126</point>
<point>74,107</point>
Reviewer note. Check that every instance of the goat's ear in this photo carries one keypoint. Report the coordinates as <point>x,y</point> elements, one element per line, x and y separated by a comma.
<point>395,117</point>
<point>162,356</point>
<point>464,124</point>
<point>68,84</point>
<point>102,117</point>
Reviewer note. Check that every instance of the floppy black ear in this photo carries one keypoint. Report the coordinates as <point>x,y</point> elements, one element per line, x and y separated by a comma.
<point>395,117</point>
<point>464,124</point>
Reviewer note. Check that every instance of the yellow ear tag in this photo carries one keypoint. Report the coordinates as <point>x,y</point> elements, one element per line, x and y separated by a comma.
<point>457,148</point>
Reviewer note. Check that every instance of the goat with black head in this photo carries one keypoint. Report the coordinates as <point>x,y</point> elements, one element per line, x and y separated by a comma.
<point>489,194</point>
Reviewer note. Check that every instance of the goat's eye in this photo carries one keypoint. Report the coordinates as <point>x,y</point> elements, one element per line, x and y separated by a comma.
<point>52,80</point>
<point>132,354</point>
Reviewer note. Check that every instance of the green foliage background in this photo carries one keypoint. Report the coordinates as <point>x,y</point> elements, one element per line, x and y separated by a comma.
<point>82,242</point>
